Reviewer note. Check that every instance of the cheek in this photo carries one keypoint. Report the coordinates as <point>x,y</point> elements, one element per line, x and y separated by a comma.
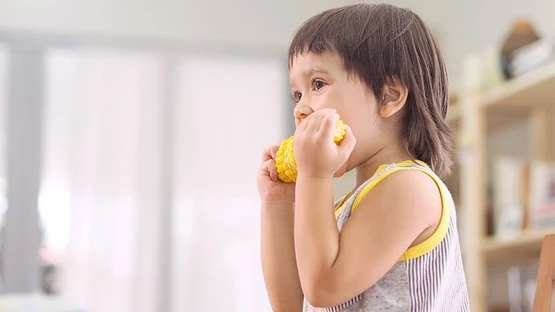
<point>330,99</point>
<point>365,126</point>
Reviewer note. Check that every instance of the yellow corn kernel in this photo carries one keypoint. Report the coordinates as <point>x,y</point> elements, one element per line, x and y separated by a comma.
<point>285,162</point>
<point>285,159</point>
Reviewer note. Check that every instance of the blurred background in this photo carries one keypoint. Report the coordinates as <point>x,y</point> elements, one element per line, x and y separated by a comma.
<point>131,133</point>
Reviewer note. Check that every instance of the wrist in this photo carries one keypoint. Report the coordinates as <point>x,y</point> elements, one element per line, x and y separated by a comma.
<point>278,210</point>
<point>277,203</point>
<point>314,177</point>
<point>311,187</point>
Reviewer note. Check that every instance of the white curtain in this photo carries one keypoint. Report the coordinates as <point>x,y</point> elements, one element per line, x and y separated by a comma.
<point>102,163</point>
<point>102,190</point>
<point>4,69</point>
<point>229,110</point>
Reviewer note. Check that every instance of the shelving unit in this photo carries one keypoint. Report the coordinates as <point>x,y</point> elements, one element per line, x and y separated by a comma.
<point>532,97</point>
<point>524,246</point>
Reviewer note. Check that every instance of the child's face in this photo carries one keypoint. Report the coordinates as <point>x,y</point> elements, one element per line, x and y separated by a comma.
<point>320,81</point>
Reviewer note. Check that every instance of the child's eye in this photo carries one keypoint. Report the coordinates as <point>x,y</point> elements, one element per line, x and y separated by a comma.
<point>297,96</point>
<point>317,85</point>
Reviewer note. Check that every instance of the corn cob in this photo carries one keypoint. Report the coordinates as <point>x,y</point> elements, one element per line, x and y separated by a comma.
<point>285,159</point>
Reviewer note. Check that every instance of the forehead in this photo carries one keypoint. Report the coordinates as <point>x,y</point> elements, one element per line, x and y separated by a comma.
<point>306,64</point>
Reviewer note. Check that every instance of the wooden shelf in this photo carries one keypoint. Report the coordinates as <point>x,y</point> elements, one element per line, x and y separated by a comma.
<point>522,93</point>
<point>530,97</point>
<point>524,246</point>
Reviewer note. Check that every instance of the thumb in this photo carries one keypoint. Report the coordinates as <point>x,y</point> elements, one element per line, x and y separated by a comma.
<point>349,141</point>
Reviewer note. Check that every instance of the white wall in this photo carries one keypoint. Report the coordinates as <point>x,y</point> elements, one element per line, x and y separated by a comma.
<point>239,22</point>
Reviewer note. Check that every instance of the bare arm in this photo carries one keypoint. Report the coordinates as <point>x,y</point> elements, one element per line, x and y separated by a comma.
<point>316,234</point>
<point>278,257</point>
<point>335,267</point>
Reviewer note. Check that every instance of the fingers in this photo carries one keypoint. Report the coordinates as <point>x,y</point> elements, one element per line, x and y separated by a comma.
<point>270,152</point>
<point>349,141</point>
<point>269,168</point>
<point>274,149</point>
<point>328,125</point>
<point>321,118</point>
<point>326,111</point>
<point>316,122</point>
<point>301,127</point>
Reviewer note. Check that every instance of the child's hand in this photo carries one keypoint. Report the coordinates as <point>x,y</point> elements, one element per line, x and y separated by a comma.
<point>316,154</point>
<point>269,187</point>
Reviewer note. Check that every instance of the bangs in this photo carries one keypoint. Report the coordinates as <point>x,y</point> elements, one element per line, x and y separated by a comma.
<point>318,35</point>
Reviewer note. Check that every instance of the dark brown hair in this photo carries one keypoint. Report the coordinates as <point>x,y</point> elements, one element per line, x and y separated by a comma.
<point>378,42</point>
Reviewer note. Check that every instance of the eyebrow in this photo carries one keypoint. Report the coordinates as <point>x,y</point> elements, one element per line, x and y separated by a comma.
<point>316,70</point>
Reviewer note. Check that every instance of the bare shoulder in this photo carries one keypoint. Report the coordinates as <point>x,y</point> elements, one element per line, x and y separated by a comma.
<point>409,198</point>
<point>405,190</point>
<point>409,184</point>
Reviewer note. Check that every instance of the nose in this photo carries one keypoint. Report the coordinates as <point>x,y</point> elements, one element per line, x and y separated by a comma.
<point>301,112</point>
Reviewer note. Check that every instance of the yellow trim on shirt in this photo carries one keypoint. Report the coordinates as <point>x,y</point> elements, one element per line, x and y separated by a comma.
<point>440,232</point>
<point>371,185</point>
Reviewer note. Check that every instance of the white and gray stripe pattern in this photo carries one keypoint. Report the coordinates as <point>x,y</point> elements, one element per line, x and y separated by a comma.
<point>436,279</point>
<point>344,305</point>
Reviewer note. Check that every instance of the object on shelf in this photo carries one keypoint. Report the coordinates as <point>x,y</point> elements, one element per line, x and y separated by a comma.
<point>523,196</point>
<point>541,200</point>
<point>521,34</point>
<point>508,196</point>
<point>531,57</point>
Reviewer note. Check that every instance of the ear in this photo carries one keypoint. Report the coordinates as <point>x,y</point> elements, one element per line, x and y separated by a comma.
<point>394,97</point>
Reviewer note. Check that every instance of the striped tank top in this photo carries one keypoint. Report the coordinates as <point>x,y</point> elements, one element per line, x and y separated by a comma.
<point>429,277</point>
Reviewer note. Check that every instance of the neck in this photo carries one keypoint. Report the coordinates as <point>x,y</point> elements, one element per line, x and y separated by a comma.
<point>386,155</point>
